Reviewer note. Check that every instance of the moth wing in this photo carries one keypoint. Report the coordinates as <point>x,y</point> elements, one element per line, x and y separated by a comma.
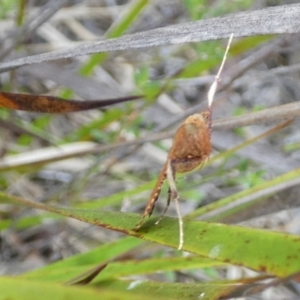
<point>191,140</point>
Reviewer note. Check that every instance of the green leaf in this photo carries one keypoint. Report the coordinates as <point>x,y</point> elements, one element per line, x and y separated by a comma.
<point>182,291</point>
<point>124,24</point>
<point>84,132</point>
<point>248,43</point>
<point>21,289</point>
<point>134,267</point>
<point>65,269</point>
<point>120,269</point>
<point>252,248</point>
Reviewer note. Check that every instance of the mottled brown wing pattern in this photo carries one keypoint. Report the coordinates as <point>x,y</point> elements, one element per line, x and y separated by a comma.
<point>191,147</point>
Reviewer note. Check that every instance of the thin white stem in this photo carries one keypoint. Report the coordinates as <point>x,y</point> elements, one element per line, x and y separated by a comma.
<point>212,91</point>
<point>175,196</point>
<point>180,223</point>
<point>225,56</point>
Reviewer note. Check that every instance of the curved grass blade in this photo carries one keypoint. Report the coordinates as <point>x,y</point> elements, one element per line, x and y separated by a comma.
<point>117,269</point>
<point>115,31</point>
<point>87,276</point>
<point>148,266</point>
<point>185,291</point>
<point>99,255</point>
<point>22,289</point>
<point>252,248</point>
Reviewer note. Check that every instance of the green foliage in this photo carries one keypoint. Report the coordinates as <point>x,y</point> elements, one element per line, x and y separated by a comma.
<point>218,242</point>
<point>7,6</point>
<point>149,88</point>
<point>199,9</point>
<point>195,8</point>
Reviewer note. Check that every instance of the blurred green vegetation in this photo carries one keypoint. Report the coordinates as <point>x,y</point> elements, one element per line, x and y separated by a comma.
<point>216,248</point>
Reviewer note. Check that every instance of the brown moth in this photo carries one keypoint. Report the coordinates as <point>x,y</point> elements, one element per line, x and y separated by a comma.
<point>191,147</point>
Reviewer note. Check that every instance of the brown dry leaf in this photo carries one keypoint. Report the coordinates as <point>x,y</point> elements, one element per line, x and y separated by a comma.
<point>50,104</point>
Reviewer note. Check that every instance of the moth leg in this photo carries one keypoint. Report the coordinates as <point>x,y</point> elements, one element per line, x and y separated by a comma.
<point>153,197</point>
<point>172,192</point>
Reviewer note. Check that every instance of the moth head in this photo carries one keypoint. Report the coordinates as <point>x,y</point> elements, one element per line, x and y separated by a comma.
<point>199,118</point>
<point>194,118</point>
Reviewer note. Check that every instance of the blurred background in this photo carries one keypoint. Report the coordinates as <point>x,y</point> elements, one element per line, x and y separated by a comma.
<point>175,80</point>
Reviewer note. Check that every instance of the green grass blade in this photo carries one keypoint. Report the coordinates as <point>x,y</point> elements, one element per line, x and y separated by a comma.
<point>118,269</point>
<point>99,255</point>
<point>116,31</point>
<point>134,267</point>
<point>18,289</point>
<point>252,248</point>
<point>182,291</point>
